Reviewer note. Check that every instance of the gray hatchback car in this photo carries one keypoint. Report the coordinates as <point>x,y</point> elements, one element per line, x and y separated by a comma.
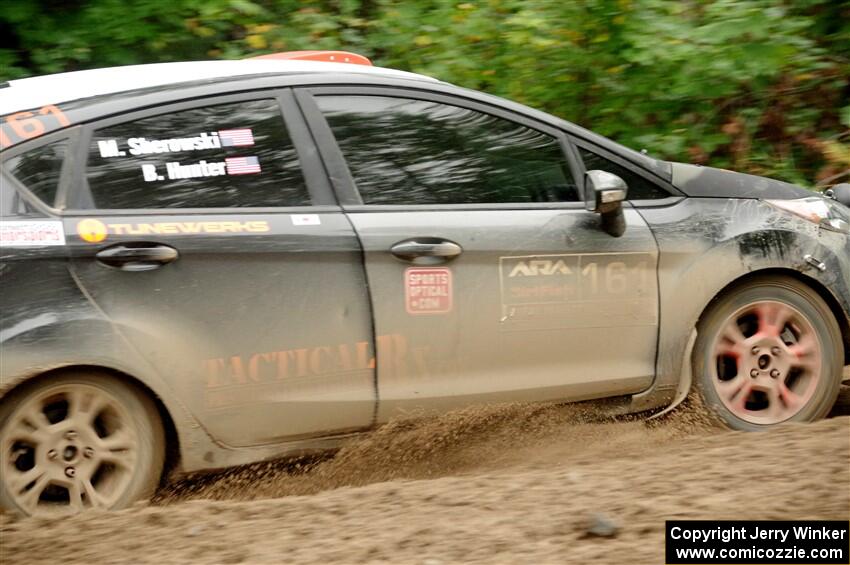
<point>213,263</point>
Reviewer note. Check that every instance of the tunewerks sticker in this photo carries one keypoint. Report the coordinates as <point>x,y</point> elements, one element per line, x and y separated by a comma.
<point>32,233</point>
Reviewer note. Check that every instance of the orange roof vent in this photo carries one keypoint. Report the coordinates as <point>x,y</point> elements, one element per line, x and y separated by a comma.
<point>327,56</point>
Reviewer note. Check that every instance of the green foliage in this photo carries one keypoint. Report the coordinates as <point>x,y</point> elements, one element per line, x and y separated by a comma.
<point>756,85</point>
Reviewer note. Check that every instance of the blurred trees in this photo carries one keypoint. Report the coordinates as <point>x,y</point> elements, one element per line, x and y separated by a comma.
<point>755,85</point>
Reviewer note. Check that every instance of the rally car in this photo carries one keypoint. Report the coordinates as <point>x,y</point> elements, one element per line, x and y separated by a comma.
<point>207,264</point>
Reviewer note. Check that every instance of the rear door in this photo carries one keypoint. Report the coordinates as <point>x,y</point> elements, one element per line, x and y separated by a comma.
<point>205,233</point>
<point>488,278</point>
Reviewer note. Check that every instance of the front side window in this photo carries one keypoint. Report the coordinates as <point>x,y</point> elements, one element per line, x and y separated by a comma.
<point>223,156</point>
<point>405,151</point>
<point>639,187</point>
<point>39,169</point>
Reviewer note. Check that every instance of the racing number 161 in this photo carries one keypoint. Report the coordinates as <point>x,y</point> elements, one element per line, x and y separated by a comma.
<point>27,125</point>
<point>615,277</point>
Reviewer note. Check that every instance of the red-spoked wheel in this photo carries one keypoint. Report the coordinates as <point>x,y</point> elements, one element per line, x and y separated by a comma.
<point>768,351</point>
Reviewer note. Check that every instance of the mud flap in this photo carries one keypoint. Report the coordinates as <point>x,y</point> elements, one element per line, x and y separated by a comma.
<point>685,380</point>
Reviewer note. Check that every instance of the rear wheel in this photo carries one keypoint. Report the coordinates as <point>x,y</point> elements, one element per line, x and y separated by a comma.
<point>769,351</point>
<point>78,441</point>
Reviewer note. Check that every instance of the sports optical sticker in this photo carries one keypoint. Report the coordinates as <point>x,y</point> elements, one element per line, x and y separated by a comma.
<point>428,290</point>
<point>31,234</point>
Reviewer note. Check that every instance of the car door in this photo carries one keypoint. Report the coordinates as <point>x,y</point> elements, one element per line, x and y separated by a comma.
<point>204,233</point>
<point>489,280</point>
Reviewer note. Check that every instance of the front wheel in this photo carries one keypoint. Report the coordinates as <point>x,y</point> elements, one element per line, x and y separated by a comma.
<point>767,352</point>
<point>77,441</point>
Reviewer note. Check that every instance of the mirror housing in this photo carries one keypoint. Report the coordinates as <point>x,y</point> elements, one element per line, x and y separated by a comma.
<point>840,193</point>
<point>604,194</point>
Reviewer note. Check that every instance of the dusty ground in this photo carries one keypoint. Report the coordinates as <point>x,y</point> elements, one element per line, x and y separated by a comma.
<point>500,485</point>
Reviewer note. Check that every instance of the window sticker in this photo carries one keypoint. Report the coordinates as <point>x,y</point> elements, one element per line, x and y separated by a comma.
<point>31,234</point>
<point>137,146</point>
<point>175,170</point>
<point>236,155</point>
<point>21,126</point>
<point>242,165</point>
<point>236,137</point>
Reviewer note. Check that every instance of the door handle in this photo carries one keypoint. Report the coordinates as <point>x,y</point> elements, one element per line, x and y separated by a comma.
<point>426,250</point>
<point>137,257</point>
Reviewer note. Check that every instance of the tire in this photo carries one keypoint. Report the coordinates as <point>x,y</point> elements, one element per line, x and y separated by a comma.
<point>784,363</point>
<point>78,440</point>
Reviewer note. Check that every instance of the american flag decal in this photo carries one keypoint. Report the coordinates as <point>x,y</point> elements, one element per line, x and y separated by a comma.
<point>242,165</point>
<point>236,137</point>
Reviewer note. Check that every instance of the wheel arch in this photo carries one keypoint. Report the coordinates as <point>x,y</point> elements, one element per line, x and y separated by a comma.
<point>172,437</point>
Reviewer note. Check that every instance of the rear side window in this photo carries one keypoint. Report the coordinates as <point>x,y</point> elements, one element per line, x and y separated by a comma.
<point>639,187</point>
<point>39,169</point>
<point>404,151</point>
<point>224,156</point>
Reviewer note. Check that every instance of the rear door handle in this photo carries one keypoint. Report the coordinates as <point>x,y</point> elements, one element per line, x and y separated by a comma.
<point>426,250</point>
<point>137,257</point>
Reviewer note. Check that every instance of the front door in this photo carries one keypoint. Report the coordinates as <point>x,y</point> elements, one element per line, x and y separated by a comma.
<point>489,280</point>
<point>198,237</point>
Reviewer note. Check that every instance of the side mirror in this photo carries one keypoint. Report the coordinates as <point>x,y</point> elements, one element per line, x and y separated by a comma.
<point>605,193</point>
<point>841,193</point>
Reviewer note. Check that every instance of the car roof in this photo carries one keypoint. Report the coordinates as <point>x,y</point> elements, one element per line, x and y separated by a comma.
<point>97,89</point>
<point>27,93</point>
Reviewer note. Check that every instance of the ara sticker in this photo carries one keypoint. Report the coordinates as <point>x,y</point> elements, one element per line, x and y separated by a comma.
<point>428,290</point>
<point>306,220</point>
<point>31,234</point>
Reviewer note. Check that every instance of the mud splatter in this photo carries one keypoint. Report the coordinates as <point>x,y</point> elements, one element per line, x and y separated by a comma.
<point>504,484</point>
<point>465,441</point>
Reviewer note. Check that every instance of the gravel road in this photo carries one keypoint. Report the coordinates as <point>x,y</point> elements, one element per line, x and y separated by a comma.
<point>508,484</point>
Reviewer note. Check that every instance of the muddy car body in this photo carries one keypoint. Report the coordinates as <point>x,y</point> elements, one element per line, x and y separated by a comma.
<point>319,292</point>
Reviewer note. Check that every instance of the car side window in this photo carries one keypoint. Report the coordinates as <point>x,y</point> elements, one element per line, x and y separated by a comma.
<point>405,151</point>
<point>222,156</point>
<point>639,187</point>
<point>39,169</point>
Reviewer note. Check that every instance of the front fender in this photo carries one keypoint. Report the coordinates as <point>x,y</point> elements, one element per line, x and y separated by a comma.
<point>706,245</point>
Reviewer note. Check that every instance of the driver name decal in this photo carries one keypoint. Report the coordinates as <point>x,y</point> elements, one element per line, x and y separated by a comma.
<point>175,171</point>
<point>137,146</point>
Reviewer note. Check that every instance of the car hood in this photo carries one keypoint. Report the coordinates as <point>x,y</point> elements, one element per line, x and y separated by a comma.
<point>707,182</point>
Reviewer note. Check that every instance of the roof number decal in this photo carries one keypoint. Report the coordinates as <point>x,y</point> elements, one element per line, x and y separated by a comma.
<point>22,126</point>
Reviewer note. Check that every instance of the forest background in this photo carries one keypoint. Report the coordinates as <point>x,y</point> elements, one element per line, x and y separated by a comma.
<point>753,85</point>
